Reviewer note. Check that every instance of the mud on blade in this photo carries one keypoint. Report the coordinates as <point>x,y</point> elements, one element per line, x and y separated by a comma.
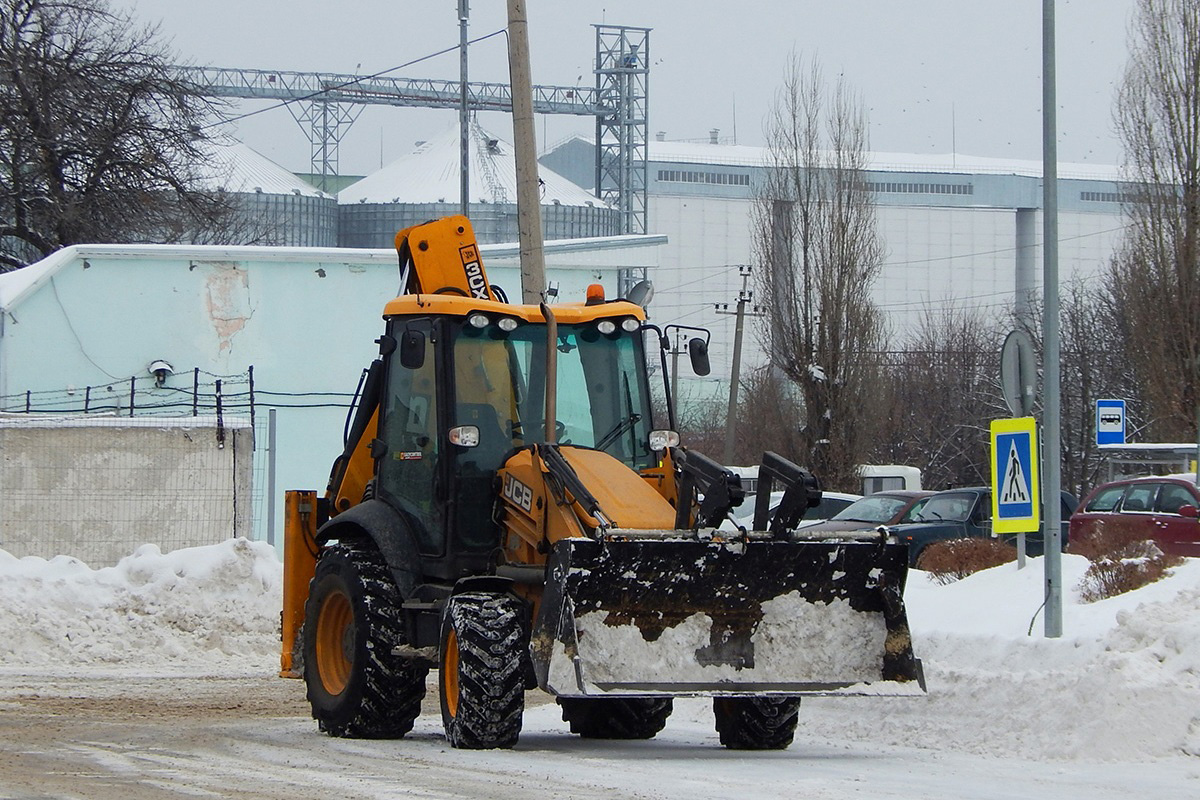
<point>674,616</point>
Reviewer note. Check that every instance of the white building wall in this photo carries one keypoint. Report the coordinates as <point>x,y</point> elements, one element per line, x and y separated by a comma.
<point>934,256</point>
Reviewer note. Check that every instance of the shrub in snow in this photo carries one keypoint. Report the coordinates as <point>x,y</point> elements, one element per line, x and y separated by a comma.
<point>955,559</point>
<point>1121,560</point>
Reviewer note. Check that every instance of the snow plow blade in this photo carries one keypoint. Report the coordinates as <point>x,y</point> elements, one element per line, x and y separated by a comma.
<point>691,617</point>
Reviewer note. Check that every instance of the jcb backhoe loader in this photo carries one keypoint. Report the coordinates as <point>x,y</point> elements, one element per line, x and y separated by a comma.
<point>506,512</point>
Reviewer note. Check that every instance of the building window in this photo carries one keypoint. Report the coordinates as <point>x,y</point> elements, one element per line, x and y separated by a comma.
<point>691,176</point>
<point>892,187</point>
<point>1101,197</point>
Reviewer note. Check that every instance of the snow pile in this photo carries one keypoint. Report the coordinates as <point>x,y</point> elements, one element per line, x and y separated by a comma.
<point>200,607</point>
<point>1123,682</point>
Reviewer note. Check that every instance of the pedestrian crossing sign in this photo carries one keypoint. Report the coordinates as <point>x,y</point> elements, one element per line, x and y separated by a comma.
<point>1016,505</point>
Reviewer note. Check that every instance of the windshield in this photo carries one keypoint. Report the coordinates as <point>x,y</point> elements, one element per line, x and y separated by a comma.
<point>942,508</point>
<point>871,509</point>
<point>602,399</point>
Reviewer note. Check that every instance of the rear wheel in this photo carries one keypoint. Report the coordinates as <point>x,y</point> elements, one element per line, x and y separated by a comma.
<point>352,622</point>
<point>482,679</point>
<point>616,717</point>
<point>756,723</point>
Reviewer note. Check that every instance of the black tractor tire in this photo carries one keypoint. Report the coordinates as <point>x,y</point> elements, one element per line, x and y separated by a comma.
<point>616,717</point>
<point>485,646</point>
<point>352,621</point>
<point>756,723</point>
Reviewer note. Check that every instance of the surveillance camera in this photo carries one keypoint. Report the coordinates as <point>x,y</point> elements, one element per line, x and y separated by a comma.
<point>160,370</point>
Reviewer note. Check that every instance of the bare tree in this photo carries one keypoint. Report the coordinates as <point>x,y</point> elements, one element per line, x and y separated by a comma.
<point>943,389</point>
<point>99,138</point>
<point>819,251</point>
<point>1154,278</point>
<point>1095,365</point>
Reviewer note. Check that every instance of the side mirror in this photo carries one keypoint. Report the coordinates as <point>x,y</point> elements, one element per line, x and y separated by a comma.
<point>698,353</point>
<point>412,349</point>
<point>1189,511</point>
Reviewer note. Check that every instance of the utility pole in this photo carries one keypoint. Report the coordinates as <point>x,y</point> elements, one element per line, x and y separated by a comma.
<point>1051,367</point>
<point>464,123</point>
<point>744,297</point>
<point>529,209</point>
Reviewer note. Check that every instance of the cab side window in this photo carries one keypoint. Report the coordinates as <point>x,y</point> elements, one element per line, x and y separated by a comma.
<point>407,470</point>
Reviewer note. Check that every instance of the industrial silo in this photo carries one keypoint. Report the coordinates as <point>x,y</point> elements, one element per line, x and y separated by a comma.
<point>425,184</point>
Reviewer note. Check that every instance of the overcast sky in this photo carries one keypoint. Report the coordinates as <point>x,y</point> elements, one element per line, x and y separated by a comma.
<point>936,75</point>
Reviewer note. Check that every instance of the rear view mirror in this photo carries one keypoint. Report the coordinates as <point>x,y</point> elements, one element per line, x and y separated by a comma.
<point>1188,511</point>
<point>412,349</point>
<point>698,353</point>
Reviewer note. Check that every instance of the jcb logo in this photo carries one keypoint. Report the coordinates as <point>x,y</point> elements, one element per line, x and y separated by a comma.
<point>517,492</point>
<point>474,271</point>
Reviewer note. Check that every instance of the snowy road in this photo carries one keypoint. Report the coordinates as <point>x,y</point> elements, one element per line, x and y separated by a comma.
<point>122,736</point>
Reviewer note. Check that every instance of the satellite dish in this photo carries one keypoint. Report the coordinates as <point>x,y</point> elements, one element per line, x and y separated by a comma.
<point>641,293</point>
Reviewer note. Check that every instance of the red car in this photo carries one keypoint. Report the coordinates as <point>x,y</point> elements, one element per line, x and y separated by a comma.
<point>1160,508</point>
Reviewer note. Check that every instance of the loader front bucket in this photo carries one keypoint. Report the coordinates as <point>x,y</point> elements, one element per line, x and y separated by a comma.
<point>672,616</point>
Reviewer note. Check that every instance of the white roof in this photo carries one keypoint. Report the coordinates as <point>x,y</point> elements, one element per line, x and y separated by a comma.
<point>18,284</point>
<point>740,155</point>
<point>431,174</point>
<point>236,167</point>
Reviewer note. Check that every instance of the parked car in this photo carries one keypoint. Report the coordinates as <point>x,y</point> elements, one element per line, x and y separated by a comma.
<point>831,503</point>
<point>865,513</point>
<point>964,514</point>
<point>1160,508</point>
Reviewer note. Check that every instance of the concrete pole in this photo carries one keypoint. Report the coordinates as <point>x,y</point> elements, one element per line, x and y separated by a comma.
<point>464,120</point>
<point>1051,366</point>
<point>529,209</point>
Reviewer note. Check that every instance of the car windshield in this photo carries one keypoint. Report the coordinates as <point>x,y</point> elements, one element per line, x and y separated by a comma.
<point>942,508</point>
<point>873,508</point>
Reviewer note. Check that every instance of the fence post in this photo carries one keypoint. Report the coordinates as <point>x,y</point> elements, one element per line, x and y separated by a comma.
<point>251,371</point>
<point>220,419</point>
<point>132,390</point>
<point>271,476</point>
<point>195,391</point>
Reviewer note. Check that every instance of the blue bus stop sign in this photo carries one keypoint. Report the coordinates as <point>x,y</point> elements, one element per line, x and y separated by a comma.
<point>1110,422</point>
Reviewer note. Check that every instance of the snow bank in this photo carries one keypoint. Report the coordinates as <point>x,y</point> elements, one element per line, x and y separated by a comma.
<point>200,607</point>
<point>1123,683</point>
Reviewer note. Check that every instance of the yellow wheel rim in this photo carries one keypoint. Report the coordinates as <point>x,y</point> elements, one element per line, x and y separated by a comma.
<point>450,673</point>
<point>335,642</point>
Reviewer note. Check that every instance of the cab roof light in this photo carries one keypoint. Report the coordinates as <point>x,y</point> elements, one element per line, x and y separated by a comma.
<point>595,294</point>
<point>478,320</point>
<point>630,324</point>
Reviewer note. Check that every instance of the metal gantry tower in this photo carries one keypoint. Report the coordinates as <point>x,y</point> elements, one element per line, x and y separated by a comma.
<point>327,104</point>
<point>622,133</point>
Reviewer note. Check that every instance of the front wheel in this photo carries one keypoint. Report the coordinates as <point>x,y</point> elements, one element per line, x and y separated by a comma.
<point>756,723</point>
<point>482,680</point>
<point>352,622</point>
